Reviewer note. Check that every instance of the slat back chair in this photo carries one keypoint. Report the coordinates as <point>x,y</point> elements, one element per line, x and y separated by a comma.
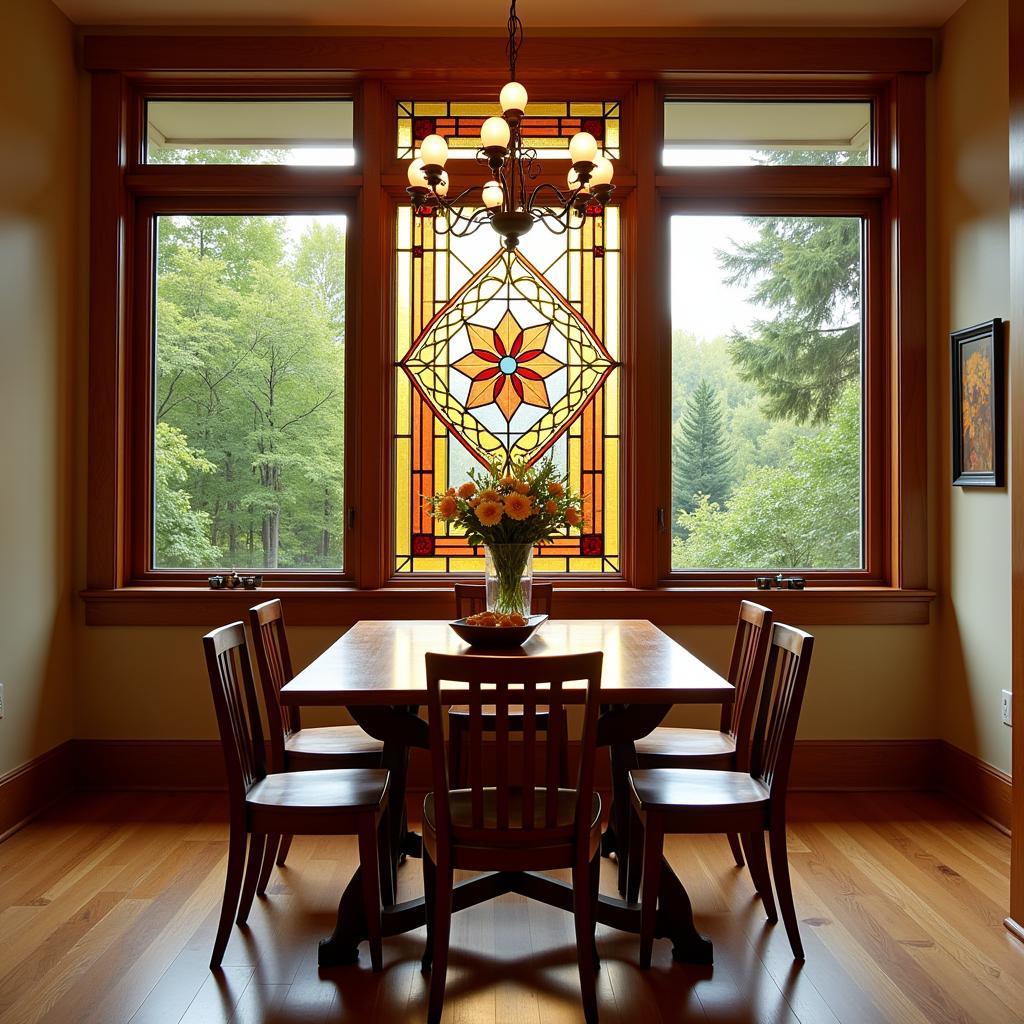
<point>293,748</point>
<point>679,800</point>
<point>340,802</point>
<point>519,819</point>
<point>270,641</point>
<point>471,598</point>
<point>746,671</point>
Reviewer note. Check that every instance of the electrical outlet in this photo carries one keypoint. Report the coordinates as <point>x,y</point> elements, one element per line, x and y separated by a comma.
<point>1007,708</point>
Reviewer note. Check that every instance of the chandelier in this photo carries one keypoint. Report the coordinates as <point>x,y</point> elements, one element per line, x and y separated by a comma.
<point>508,204</point>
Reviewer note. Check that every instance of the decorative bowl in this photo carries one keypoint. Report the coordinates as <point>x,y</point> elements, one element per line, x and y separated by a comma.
<point>495,637</point>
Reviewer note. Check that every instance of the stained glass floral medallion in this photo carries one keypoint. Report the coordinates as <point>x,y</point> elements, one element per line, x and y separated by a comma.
<point>508,363</point>
<point>506,357</point>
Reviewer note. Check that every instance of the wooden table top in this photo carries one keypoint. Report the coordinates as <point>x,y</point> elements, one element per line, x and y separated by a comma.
<point>382,663</point>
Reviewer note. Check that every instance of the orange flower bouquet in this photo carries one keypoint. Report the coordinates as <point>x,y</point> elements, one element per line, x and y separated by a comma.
<point>509,513</point>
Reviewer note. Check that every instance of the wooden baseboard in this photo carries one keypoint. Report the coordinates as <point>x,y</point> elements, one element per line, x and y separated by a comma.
<point>198,765</point>
<point>985,790</point>
<point>29,789</point>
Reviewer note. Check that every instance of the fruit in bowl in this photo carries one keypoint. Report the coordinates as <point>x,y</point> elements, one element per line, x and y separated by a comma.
<point>496,619</point>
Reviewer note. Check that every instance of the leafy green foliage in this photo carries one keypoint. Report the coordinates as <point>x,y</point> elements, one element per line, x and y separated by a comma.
<point>701,454</point>
<point>806,270</point>
<point>250,353</point>
<point>803,514</point>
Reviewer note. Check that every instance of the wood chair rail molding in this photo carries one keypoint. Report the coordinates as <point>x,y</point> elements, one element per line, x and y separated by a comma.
<point>340,606</point>
<point>641,72</point>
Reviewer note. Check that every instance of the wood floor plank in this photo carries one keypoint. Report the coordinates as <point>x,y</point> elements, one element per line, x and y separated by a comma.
<point>108,908</point>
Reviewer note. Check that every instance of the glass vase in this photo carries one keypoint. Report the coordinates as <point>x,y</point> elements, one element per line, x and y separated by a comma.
<point>508,576</point>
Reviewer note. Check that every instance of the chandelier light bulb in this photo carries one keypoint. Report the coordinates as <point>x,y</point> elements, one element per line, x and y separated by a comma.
<point>513,97</point>
<point>582,148</point>
<point>415,174</point>
<point>434,150</point>
<point>492,195</point>
<point>441,188</point>
<point>495,132</point>
<point>602,172</point>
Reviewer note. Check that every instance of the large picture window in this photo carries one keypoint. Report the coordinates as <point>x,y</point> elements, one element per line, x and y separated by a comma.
<point>767,392</point>
<point>249,391</point>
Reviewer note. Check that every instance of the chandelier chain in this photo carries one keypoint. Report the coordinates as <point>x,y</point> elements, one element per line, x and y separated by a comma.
<point>515,40</point>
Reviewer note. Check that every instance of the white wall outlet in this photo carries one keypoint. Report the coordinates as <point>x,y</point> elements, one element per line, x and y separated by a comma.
<point>1,700</point>
<point>1007,708</point>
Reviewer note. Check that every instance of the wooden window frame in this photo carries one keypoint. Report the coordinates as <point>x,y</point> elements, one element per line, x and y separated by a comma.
<point>126,70</point>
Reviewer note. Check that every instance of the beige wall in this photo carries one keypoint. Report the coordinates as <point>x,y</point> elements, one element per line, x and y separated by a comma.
<point>972,182</point>
<point>38,222</point>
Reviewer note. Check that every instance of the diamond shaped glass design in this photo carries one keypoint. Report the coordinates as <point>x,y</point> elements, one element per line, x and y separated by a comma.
<point>508,363</point>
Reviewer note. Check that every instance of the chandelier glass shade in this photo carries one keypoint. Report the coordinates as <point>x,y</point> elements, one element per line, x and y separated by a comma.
<point>506,201</point>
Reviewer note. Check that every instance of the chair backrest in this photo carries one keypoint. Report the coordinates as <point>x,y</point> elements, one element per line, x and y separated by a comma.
<point>789,660</point>
<point>746,672</point>
<point>266,621</point>
<point>530,683</point>
<point>471,598</point>
<point>238,711</point>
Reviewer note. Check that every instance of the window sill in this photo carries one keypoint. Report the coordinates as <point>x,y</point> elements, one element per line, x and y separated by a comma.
<point>665,606</point>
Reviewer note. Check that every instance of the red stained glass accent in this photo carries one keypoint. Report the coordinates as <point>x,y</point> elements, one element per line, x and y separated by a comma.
<point>425,211</point>
<point>592,544</point>
<point>598,251</point>
<point>417,251</point>
<point>594,125</point>
<point>424,126</point>
<point>422,544</point>
<point>594,209</point>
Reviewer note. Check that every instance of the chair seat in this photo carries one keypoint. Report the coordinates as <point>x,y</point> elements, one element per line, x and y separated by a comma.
<point>461,803</point>
<point>332,740</point>
<point>338,789</point>
<point>696,788</point>
<point>670,742</point>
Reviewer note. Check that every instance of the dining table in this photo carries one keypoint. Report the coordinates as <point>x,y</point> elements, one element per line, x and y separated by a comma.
<point>376,671</point>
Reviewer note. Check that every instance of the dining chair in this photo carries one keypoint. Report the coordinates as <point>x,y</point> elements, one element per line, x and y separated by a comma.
<point>348,801</point>
<point>684,800</point>
<point>292,747</point>
<point>469,599</point>
<point>728,746</point>
<point>523,820</point>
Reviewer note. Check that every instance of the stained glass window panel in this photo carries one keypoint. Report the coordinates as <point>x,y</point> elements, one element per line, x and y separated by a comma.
<point>548,315</point>
<point>546,128</point>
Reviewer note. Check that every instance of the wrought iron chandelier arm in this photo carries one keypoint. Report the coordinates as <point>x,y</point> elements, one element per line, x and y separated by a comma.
<point>563,199</point>
<point>460,225</point>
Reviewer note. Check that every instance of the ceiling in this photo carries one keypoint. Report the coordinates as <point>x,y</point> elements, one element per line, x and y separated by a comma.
<point>491,14</point>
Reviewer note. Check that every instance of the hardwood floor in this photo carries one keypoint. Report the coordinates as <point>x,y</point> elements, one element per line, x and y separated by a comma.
<point>108,909</point>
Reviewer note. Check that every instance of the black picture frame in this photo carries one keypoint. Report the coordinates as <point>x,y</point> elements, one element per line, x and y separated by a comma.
<point>979,456</point>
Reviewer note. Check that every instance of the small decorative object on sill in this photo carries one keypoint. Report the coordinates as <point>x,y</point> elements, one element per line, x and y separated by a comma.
<point>216,582</point>
<point>979,427</point>
<point>251,582</point>
<point>763,582</point>
<point>780,582</point>
<point>509,513</point>
<point>795,583</point>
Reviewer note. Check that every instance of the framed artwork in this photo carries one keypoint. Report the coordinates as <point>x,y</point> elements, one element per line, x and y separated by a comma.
<point>979,427</point>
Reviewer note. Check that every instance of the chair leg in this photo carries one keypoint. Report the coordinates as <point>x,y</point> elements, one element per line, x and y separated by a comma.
<point>429,889</point>
<point>783,887</point>
<point>595,892</point>
<point>737,852</point>
<point>253,866</point>
<point>654,842</point>
<point>282,852</point>
<point>753,843</point>
<point>586,923</point>
<point>232,888</point>
<point>369,870</point>
<point>441,933</point>
<point>635,866</point>
<point>269,855</point>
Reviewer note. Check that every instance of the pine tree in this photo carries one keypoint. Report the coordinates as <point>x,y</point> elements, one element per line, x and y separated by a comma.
<point>701,453</point>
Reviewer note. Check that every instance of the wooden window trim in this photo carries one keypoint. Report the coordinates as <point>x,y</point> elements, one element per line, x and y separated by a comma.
<point>124,66</point>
